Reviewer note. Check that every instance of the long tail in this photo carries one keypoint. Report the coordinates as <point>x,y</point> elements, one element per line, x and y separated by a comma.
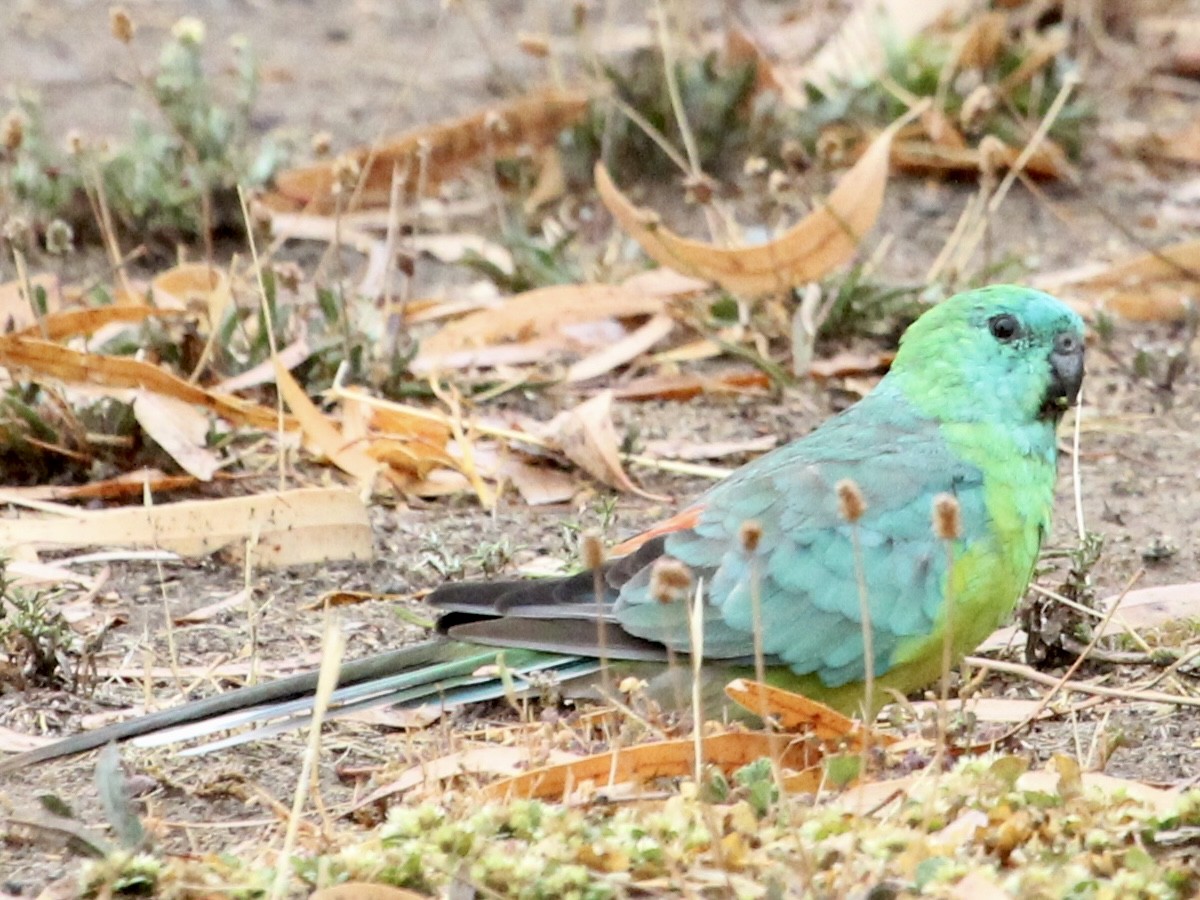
<point>440,673</point>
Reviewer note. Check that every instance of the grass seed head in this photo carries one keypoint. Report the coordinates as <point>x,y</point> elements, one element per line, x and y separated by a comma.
<point>593,550</point>
<point>12,130</point>
<point>947,517</point>
<point>670,580</point>
<point>121,24</point>
<point>851,503</point>
<point>750,534</point>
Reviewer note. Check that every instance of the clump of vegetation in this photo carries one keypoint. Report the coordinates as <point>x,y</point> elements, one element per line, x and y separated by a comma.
<point>981,820</point>
<point>178,170</point>
<point>713,97</point>
<point>39,646</point>
<point>983,98</point>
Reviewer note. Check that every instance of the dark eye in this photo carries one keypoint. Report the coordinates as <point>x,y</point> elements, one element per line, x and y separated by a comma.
<point>1004,327</point>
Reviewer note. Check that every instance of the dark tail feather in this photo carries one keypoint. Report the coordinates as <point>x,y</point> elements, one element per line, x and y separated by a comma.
<point>431,672</point>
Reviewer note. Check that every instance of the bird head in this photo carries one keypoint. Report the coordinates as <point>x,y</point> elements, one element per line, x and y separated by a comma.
<point>1003,352</point>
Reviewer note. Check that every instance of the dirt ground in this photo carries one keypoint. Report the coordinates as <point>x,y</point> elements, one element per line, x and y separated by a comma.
<point>366,68</point>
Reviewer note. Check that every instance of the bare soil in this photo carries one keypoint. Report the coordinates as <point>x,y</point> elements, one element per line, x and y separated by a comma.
<point>362,69</point>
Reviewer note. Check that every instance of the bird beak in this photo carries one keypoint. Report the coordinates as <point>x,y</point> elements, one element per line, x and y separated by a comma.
<point>1066,374</point>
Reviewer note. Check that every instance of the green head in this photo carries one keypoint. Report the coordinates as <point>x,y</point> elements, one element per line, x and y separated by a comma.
<point>1001,353</point>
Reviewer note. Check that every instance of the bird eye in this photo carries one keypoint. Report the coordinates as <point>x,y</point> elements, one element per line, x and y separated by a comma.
<point>1004,327</point>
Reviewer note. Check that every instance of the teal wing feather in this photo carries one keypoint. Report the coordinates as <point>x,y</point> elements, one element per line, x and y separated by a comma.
<point>805,567</point>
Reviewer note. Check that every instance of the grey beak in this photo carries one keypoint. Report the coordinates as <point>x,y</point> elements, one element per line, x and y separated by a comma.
<point>1066,372</point>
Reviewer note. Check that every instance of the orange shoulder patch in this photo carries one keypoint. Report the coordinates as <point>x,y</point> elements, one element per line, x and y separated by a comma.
<point>689,518</point>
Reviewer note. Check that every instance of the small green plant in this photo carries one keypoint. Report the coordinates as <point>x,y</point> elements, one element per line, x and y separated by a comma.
<point>178,170</point>
<point>714,100</point>
<point>916,69</point>
<point>37,642</point>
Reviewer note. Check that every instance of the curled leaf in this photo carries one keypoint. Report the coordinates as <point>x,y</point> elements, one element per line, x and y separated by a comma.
<point>809,250</point>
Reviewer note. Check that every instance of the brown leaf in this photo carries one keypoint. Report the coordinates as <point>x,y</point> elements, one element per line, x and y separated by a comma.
<point>433,154</point>
<point>921,156</point>
<point>537,313</point>
<point>362,890</point>
<point>1148,287</point>
<point>847,363</point>
<point>1154,607</point>
<point>76,367</point>
<point>692,450</point>
<point>662,759</point>
<point>585,435</point>
<point>291,527</point>
<point>623,351</point>
<point>685,387</point>
<point>16,310</point>
<point>191,284</point>
<point>202,614</point>
<point>324,435</point>
<point>1172,42</point>
<point>810,249</point>
<point>70,322</point>
<point>794,712</point>
<point>179,429</point>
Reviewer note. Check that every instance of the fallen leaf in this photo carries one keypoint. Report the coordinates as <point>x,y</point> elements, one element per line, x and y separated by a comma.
<point>685,387</point>
<point>537,313</point>
<point>68,323</point>
<point>795,712</point>
<point>428,156</point>
<point>924,157</point>
<point>857,52</point>
<point>1170,42</point>
<point>490,760</point>
<point>825,239</point>
<point>847,363</point>
<point>538,485</point>
<point>201,614</point>
<point>585,435</point>
<point>16,311</point>
<point>179,429</point>
<point>681,449</point>
<point>288,528</point>
<point>1159,286</point>
<point>324,435</point>
<point>118,372</point>
<point>362,890</point>
<point>193,284</point>
<point>661,759</point>
<point>622,351</point>
<point>1153,607</point>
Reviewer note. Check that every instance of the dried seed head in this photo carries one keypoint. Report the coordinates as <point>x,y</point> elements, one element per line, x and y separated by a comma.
<point>978,105</point>
<point>755,166</point>
<point>345,173</point>
<point>537,45</point>
<point>121,24</point>
<point>851,503</point>
<point>60,237</point>
<point>593,550</point>
<point>947,517</point>
<point>12,130</point>
<point>74,142</point>
<point>322,143</point>
<point>670,580</point>
<point>750,534</point>
<point>16,231</point>
<point>699,189</point>
<point>778,184</point>
<point>794,156</point>
<point>188,30</point>
<point>631,685</point>
<point>289,275</point>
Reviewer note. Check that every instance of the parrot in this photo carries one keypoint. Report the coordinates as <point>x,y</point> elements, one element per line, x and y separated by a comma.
<point>823,561</point>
